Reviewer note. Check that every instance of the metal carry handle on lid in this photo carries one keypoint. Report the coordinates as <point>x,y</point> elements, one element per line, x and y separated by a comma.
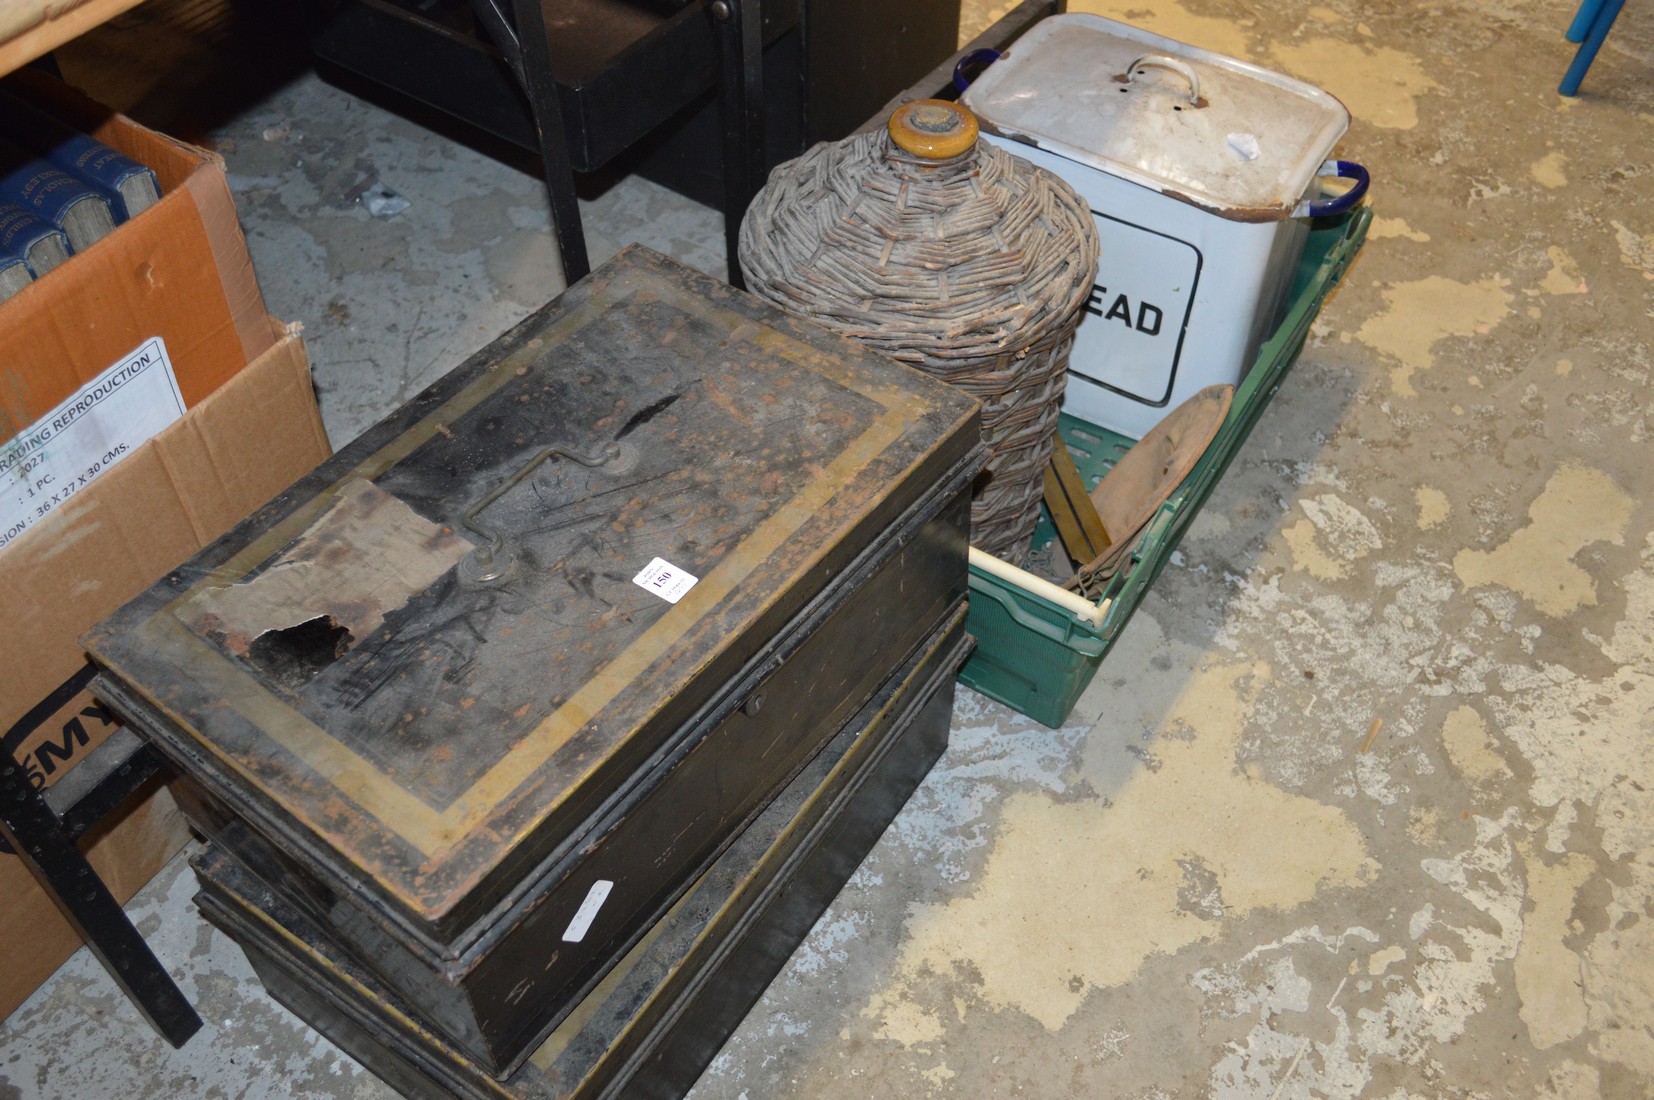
<point>1338,204</point>
<point>1161,61</point>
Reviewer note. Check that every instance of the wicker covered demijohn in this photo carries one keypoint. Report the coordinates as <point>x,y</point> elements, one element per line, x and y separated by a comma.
<point>950,255</point>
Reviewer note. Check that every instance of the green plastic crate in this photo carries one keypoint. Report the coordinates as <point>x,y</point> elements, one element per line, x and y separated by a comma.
<point>1036,657</point>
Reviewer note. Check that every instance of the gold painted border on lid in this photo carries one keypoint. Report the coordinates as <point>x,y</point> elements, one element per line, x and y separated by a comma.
<point>435,832</point>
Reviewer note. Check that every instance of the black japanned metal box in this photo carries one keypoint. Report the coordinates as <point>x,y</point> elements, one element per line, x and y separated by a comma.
<point>487,690</point>
<point>661,1015</point>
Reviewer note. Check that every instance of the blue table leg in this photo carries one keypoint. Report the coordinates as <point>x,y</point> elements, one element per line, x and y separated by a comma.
<point>1607,12</point>
<point>1583,18</point>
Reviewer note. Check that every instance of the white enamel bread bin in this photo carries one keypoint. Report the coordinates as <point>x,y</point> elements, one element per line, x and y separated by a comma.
<point>1200,171</point>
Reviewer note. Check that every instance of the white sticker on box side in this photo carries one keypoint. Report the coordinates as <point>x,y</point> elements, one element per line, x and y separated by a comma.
<point>595,897</point>
<point>101,423</point>
<point>665,580</point>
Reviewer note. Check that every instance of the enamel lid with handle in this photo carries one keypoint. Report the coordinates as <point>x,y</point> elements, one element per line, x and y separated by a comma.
<point>1225,135</point>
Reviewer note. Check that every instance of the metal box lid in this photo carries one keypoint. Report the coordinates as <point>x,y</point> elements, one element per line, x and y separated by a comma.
<point>1222,134</point>
<point>669,470</point>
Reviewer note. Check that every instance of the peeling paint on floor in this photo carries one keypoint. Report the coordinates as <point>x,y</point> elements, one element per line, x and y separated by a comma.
<point>1221,34</point>
<point>1433,507</point>
<point>1549,977</point>
<point>1550,170</point>
<point>1334,535</point>
<point>1636,249</point>
<point>1423,312</point>
<point>1380,85</point>
<point>1193,842</point>
<point>1565,276</point>
<point>1393,228</point>
<point>1472,748</point>
<point>1579,506</point>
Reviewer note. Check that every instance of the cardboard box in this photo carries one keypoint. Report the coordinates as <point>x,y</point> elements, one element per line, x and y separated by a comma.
<point>232,452</point>
<point>179,271</point>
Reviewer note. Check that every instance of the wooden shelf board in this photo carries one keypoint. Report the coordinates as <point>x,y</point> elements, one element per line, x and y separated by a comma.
<point>52,31</point>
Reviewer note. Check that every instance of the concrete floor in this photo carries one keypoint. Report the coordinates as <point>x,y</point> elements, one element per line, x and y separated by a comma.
<point>1218,880</point>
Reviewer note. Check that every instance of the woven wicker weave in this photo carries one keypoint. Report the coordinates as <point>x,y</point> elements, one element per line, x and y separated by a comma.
<point>972,268</point>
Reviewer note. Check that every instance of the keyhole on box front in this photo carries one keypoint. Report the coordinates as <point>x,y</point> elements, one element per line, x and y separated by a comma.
<point>296,655</point>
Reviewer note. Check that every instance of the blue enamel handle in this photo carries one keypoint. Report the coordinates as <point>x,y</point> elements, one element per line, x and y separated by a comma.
<point>976,59</point>
<point>1345,169</point>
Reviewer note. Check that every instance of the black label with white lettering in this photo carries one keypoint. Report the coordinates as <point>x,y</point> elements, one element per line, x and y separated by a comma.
<point>1131,335</point>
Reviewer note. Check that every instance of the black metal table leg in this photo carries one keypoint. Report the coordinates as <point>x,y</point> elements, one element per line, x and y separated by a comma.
<point>38,837</point>
<point>533,67</point>
<point>741,109</point>
<point>938,83</point>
